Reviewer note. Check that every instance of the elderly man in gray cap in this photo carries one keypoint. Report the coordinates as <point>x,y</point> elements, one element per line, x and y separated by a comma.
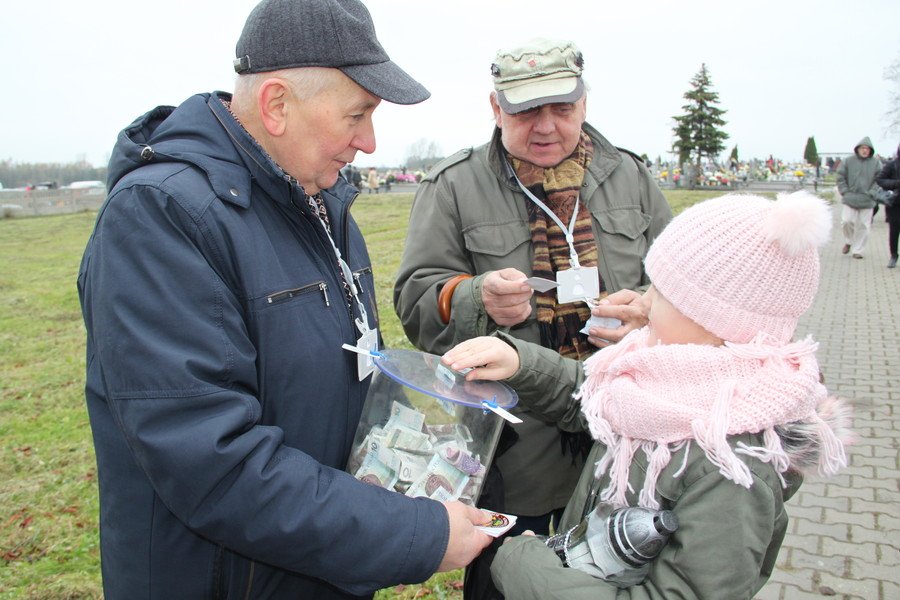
<point>526,234</point>
<point>222,279</point>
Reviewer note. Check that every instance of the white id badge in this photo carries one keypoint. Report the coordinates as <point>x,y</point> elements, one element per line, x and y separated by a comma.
<point>365,363</point>
<point>577,284</point>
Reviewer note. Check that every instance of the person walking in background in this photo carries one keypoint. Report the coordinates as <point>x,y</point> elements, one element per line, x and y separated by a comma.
<point>889,179</point>
<point>215,298</point>
<point>855,181</point>
<point>712,411</point>
<point>549,197</point>
<point>372,181</point>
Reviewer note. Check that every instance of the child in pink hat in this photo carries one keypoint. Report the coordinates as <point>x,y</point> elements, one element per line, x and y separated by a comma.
<point>711,410</point>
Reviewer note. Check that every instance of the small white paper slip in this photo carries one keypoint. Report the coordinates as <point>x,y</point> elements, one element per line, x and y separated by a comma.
<point>604,322</point>
<point>493,406</point>
<point>500,524</point>
<point>539,284</point>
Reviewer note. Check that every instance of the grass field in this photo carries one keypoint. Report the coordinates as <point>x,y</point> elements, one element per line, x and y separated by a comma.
<point>49,547</point>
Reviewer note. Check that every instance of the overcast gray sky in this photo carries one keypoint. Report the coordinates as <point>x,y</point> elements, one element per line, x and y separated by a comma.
<point>78,72</point>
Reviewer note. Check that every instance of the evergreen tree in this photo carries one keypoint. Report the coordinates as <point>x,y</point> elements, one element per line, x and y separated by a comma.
<point>810,153</point>
<point>734,154</point>
<point>697,131</point>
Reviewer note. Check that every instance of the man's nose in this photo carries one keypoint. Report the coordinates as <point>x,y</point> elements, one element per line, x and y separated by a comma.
<point>364,140</point>
<point>545,122</point>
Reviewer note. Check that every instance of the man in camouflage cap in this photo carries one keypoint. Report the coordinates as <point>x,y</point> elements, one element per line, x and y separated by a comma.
<point>547,197</point>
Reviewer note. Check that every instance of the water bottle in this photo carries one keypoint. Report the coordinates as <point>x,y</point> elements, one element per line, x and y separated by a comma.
<point>616,544</point>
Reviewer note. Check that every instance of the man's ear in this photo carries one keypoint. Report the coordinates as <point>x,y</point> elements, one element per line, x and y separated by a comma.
<point>495,106</point>
<point>272,97</point>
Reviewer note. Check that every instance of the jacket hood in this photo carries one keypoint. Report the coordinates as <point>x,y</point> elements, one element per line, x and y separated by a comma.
<point>864,142</point>
<point>200,132</point>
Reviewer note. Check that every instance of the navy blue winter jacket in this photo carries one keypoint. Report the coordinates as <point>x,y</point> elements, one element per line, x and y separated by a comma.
<point>221,403</point>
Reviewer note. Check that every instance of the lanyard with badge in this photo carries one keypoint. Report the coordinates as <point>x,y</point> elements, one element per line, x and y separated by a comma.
<point>576,283</point>
<point>367,342</point>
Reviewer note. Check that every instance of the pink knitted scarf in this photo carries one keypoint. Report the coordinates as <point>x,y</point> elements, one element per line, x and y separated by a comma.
<point>663,397</point>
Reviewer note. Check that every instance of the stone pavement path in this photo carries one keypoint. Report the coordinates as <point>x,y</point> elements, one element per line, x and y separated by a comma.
<point>844,536</point>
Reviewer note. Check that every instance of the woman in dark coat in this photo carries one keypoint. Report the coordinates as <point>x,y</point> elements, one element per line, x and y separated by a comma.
<point>889,179</point>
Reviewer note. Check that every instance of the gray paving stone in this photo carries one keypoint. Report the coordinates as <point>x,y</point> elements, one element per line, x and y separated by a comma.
<point>854,519</point>
<point>857,589</point>
<point>865,551</point>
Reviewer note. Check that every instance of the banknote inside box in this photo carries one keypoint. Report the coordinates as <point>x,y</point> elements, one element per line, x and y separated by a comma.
<point>424,430</point>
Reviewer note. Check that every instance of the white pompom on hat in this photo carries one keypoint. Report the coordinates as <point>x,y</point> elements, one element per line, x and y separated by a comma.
<point>740,265</point>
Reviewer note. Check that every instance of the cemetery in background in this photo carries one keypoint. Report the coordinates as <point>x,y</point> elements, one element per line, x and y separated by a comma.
<point>754,175</point>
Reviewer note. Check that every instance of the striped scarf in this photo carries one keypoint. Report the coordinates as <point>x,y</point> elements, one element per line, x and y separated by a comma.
<point>558,187</point>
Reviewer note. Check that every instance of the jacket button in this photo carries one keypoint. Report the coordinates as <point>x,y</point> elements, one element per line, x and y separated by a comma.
<point>234,192</point>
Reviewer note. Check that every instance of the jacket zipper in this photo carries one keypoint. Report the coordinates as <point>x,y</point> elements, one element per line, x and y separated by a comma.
<point>357,275</point>
<point>294,292</point>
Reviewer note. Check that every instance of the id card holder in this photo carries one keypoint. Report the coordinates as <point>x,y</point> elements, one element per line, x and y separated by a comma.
<point>366,344</point>
<point>577,284</point>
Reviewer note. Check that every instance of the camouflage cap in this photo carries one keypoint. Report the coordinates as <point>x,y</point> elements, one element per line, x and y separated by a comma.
<point>539,72</point>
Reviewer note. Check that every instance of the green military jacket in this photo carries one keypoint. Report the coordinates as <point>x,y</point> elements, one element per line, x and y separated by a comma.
<point>728,537</point>
<point>469,216</point>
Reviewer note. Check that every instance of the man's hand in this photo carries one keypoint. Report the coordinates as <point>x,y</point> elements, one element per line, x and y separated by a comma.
<point>465,542</point>
<point>526,532</point>
<point>490,359</point>
<point>506,297</point>
<point>625,305</point>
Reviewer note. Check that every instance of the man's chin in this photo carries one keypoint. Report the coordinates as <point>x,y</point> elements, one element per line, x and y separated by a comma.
<point>546,159</point>
<point>327,181</point>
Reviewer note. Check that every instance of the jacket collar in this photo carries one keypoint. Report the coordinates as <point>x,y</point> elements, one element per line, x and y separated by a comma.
<point>260,167</point>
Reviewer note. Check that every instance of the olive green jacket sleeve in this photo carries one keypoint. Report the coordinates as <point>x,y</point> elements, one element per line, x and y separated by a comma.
<point>546,383</point>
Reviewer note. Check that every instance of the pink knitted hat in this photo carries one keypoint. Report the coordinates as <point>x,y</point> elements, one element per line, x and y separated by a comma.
<point>739,265</point>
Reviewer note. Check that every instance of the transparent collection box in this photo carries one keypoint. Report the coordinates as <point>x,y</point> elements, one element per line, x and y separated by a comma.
<point>425,431</point>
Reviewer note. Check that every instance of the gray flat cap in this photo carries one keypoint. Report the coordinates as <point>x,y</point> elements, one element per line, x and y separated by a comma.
<point>285,34</point>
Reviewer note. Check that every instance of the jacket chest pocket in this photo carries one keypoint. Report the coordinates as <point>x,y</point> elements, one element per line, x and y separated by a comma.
<point>622,242</point>
<point>302,292</point>
<point>498,245</point>
<point>364,280</point>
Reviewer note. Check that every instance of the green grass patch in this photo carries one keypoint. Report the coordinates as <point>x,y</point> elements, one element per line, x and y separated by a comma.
<point>49,545</point>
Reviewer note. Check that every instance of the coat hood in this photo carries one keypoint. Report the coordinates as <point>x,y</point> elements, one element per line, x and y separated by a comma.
<point>200,132</point>
<point>864,142</point>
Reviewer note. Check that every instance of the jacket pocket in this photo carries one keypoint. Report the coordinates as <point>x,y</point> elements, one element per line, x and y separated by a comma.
<point>364,280</point>
<point>496,239</point>
<point>303,291</point>
<point>622,244</point>
<point>626,222</point>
